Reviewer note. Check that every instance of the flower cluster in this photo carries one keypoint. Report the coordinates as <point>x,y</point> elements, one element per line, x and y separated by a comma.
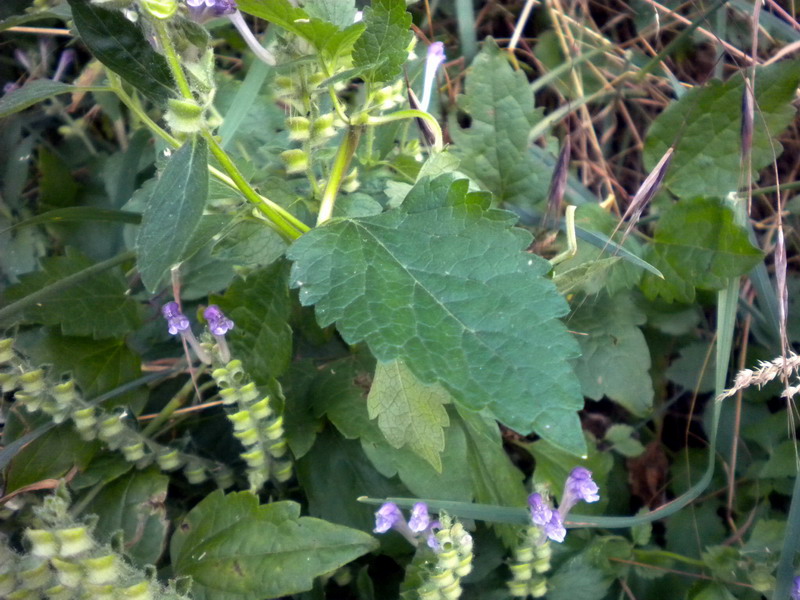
<point>578,487</point>
<point>444,559</point>
<point>218,326</point>
<point>65,561</point>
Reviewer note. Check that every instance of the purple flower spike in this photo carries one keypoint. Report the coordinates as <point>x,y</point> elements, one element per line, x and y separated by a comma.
<point>218,323</point>
<point>387,517</point>
<point>176,320</point>
<point>420,520</point>
<point>579,486</point>
<point>796,588</point>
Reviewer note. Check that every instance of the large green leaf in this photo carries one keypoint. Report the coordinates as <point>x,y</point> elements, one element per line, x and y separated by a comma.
<point>705,125</point>
<point>494,149</point>
<point>259,306</point>
<point>97,307</point>
<point>173,212</point>
<point>121,46</point>
<point>444,283</point>
<point>235,549</point>
<point>408,411</point>
<point>134,505</point>
<point>701,245</point>
<point>383,48</point>
<point>327,38</point>
<point>31,93</point>
<point>615,359</point>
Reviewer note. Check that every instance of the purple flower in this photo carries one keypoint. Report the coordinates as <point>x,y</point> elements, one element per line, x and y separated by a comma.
<point>176,320</point>
<point>547,519</point>
<point>579,486</point>
<point>218,323</point>
<point>433,61</point>
<point>387,517</point>
<point>200,10</point>
<point>420,520</point>
<point>796,588</point>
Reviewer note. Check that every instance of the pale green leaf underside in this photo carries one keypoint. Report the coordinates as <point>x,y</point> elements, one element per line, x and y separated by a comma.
<point>383,48</point>
<point>235,549</point>
<point>409,411</point>
<point>445,285</point>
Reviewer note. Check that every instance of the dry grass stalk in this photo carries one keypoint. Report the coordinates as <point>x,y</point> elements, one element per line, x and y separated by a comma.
<point>782,366</point>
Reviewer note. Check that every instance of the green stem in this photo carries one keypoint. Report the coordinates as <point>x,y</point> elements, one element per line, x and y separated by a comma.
<point>655,555</point>
<point>162,33</point>
<point>339,170</point>
<point>288,224</point>
<point>174,404</point>
<point>410,113</point>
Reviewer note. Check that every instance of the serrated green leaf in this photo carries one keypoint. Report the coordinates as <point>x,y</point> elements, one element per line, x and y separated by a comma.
<point>702,245</point>
<point>672,287</point>
<point>329,40</point>
<point>694,369</point>
<point>615,358</point>
<point>259,306</point>
<point>173,212</point>
<point>251,245</point>
<point>383,47</point>
<point>235,549</point>
<point>705,125</point>
<point>578,579</point>
<point>121,46</point>
<point>408,411</point>
<point>97,307</point>
<point>31,93</point>
<point>134,505</point>
<point>444,284</point>
<point>495,479</point>
<point>339,12</point>
<point>493,150</point>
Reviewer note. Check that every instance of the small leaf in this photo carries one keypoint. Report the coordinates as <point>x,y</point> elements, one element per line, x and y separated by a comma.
<point>622,440</point>
<point>578,579</point>
<point>121,46</point>
<point>494,149</point>
<point>173,212</point>
<point>702,245</point>
<point>383,47</point>
<point>235,549</point>
<point>31,93</point>
<point>96,307</point>
<point>408,411</point>
<point>705,126</point>
<point>444,284</point>
<point>134,505</point>
<point>615,358</point>
<point>259,306</point>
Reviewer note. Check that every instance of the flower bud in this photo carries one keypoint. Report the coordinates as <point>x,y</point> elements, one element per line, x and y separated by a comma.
<point>261,410</point>
<point>168,459</point>
<point>282,472</point>
<point>521,571</point>
<point>140,591</point>
<point>323,127</point>
<point>278,449</point>
<point>255,458</point>
<point>160,9</point>
<point>34,577</point>
<point>64,393</point>
<point>184,116</point>
<point>316,79</point>
<point>103,569</point>
<point>296,160</point>
<point>299,128</point>
<point>384,98</point>
<point>285,85</point>
<point>523,553</point>
<point>6,350</point>
<point>43,542</point>
<point>448,559</point>
<point>350,183</point>
<point>223,478</point>
<point>429,593</point>
<point>8,583</point>
<point>248,392</point>
<point>31,402</point>
<point>242,420</point>
<point>69,574</point>
<point>195,473</point>
<point>74,540</point>
<point>8,381</point>
<point>275,430</point>
<point>229,395</point>
<point>248,437</point>
<point>236,370</point>
<point>133,452</point>
<point>101,592</point>
<point>32,382</point>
